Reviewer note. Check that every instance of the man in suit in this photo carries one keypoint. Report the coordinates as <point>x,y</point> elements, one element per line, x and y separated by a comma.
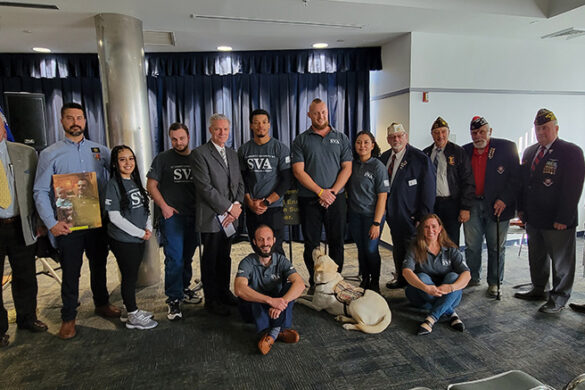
<point>455,185</point>
<point>495,167</point>
<point>412,194</point>
<point>553,172</point>
<point>220,192</point>
<point>75,154</point>
<point>18,233</point>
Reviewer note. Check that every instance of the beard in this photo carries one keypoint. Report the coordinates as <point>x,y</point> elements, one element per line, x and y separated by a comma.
<point>480,144</point>
<point>75,131</point>
<point>262,251</point>
<point>181,149</point>
<point>317,126</point>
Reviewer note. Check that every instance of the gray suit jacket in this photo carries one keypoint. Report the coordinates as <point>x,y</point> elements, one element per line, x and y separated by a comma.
<point>216,186</point>
<point>24,162</point>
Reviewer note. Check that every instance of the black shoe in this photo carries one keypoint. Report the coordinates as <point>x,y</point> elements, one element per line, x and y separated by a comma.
<point>174,312</point>
<point>531,295</point>
<point>473,283</point>
<point>395,285</point>
<point>35,326</point>
<point>217,308</point>
<point>577,307</point>
<point>229,299</point>
<point>551,308</point>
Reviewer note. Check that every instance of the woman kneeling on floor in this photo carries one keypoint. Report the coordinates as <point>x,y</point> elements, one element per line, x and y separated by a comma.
<point>436,273</point>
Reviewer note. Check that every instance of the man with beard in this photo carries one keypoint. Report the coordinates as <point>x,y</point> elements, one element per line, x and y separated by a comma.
<point>170,183</point>
<point>265,164</point>
<point>322,158</point>
<point>75,154</point>
<point>267,285</point>
<point>496,171</point>
<point>86,207</point>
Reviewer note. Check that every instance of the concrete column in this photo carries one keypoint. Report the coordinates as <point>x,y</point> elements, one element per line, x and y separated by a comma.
<point>121,57</point>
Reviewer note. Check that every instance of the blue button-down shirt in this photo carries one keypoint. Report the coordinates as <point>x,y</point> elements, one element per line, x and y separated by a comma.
<point>66,156</point>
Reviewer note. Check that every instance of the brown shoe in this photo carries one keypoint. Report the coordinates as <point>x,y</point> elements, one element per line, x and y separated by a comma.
<point>289,336</point>
<point>108,311</point>
<point>265,344</point>
<point>67,330</point>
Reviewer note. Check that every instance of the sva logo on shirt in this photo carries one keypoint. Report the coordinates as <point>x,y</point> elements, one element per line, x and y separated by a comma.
<point>259,164</point>
<point>182,174</point>
<point>334,141</point>
<point>136,198</point>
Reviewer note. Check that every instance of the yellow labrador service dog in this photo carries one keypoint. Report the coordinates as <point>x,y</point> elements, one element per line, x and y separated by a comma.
<point>369,313</point>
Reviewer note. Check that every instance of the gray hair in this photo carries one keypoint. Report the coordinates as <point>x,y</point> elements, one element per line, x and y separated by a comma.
<point>218,117</point>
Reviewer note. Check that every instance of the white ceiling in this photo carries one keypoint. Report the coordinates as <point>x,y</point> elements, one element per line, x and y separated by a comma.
<point>70,29</point>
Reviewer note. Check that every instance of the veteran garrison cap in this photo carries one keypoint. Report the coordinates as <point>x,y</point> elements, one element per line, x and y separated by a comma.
<point>439,122</point>
<point>395,128</point>
<point>543,115</point>
<point>477,122</point>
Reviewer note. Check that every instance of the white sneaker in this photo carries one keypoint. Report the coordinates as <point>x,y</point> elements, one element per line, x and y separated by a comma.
<point>191,296</point>
<point>124,315</point>
<point>140,320</point>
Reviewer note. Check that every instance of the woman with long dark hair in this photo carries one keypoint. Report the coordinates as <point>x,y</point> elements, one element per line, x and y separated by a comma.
<point>129,228</point>
<point>436,273</point>
<point>367,189</point>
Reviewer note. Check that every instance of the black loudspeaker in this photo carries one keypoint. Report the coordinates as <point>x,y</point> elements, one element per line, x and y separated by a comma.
<point>26,117</point>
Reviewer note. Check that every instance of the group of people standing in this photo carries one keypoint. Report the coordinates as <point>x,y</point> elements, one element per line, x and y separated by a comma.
<point>204,191</point>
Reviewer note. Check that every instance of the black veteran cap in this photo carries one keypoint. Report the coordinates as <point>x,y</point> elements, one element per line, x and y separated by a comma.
<point>543,115</point>
<point>439,122</point>
<point>477,122</point>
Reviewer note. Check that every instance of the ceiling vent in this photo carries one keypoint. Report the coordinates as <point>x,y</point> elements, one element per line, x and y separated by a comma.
<point>27,5</point>
<point>159,38</point>
<point>277,21</point>
<point>568,33</point>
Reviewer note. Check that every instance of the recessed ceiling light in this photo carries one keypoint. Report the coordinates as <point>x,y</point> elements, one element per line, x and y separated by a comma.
<point>41,50</point>
<point>224,48</point>
<point>320,45</point>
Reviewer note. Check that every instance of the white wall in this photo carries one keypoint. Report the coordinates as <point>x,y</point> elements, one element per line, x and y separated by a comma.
<point>506,81</point>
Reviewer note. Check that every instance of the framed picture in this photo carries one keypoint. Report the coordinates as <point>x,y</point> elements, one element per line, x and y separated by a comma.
<point>77,200</point>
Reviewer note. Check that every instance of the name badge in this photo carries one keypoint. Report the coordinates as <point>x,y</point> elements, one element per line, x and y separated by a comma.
<point>387,183</point>
<point>412,182</point>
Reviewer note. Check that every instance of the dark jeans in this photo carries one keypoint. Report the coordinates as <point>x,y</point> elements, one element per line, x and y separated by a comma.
<point>368,250</point>
<point>24,278</point>
<point>273,217</point>
<point>448,210</point>
<point>216,265</point>
<point>257,313</point>
<point>129,256</point>
<point>94,243</point>
<point>179,240</point>
<point>313,217</point>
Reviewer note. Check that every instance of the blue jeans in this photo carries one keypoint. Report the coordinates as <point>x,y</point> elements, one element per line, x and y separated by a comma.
<point>368,252</point>
<point>437,306</point>
<point>481,224</point>
<point>179,241</point>
<point>258,313</point>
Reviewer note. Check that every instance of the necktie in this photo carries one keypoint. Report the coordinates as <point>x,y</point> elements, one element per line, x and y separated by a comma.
<point>537,159</point>
<point>223,155</point>
<point>391,167</point>
<point>5,197</point>
<point>436,159</point>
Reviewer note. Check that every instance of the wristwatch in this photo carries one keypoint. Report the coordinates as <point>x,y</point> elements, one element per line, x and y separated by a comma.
<point>376,223</point>
<point>265,202</point>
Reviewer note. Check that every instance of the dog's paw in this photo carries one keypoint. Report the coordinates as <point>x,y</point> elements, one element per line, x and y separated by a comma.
<point>349,327</point>
<point>340,318</point>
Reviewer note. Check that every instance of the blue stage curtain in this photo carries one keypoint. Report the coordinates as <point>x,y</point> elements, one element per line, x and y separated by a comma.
<point>189,87</point>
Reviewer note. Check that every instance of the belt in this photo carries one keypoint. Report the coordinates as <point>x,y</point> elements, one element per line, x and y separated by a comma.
<point>8,221</point>
<point>443,198</point>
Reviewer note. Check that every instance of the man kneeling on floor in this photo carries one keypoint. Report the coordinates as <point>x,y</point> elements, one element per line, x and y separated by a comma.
<point>267,285</point>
